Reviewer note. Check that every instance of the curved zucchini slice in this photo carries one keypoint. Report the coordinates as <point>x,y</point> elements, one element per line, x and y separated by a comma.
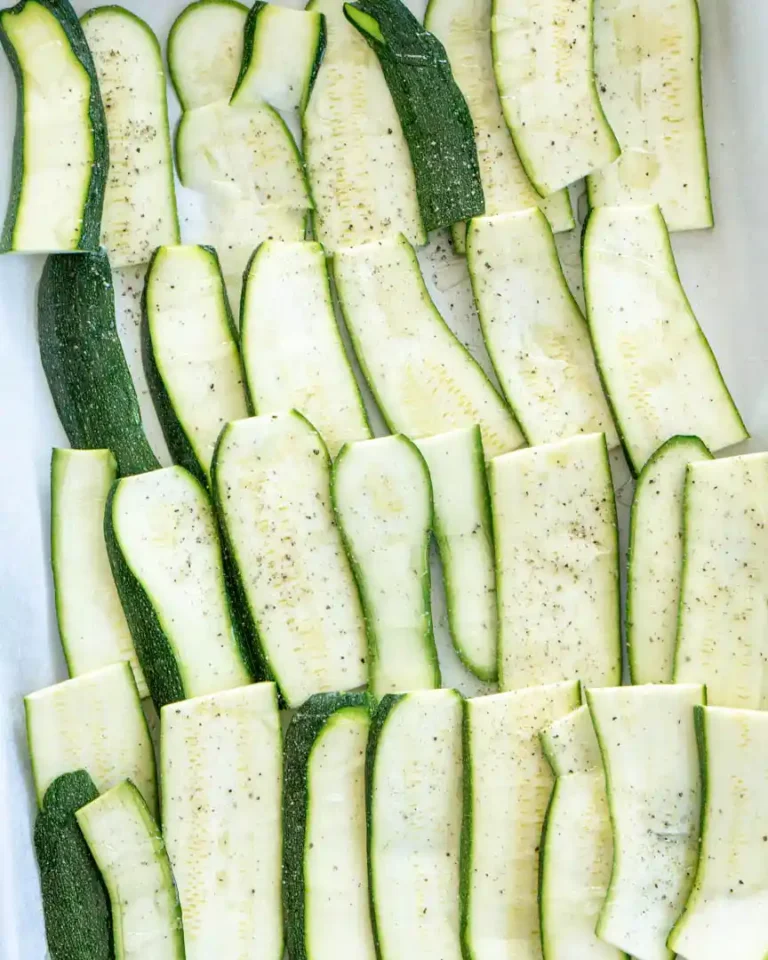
<point>648,744</point>
<point>382,497</point>
<point>300,362</point>
<point>414,775</point>
<point>636,307</point>
<point>557,564</point>
<point>325,875</point>
<point>502,825</point>
<point>166,558</point>
<point>221,765</point>
<point>93,629</point>
<point>60,151</point>
<point>271,486</point>
<point>129,851</point>
<point>536,336</point>
<point>655,563</point>
<point>464,534</point>
<point>722,631</point>
<point>191,355</point>
<point>725,913</point>
<point>84,361</point>
<point>93,723</point>
<point>424,381</point>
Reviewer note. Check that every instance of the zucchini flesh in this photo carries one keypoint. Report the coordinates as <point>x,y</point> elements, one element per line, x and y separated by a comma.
<point>93,723</point>
<point>722,632</point>
<point>221,764</point>
<point>191,355</point>
<point>500,844</point>
<point>536,336</point>
<point>300,363</point>
<point>325,876</point>
<point>462,528</point>
<point>648,744</point>
<point>84,361</point>
<point>636,307</point>
<point>655,563</point>
<point>129,851</point>
<point>60,151</point>
<point>423,379</point>
<point>383,500</point>
<point>93,629</point>
<point>557,564</point>
<point>271,485</point>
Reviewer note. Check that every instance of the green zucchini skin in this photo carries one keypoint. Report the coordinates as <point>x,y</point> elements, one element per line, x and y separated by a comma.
<point>434,115</point>
<point>78,919</point>
<point>90,231</point>
<point>84,361</point>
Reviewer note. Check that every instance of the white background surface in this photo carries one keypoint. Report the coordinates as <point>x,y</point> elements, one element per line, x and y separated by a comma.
<point>725,273</point>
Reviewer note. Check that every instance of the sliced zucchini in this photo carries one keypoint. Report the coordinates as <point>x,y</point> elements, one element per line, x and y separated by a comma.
<point>129,851</point>
<point>357,158</point>
<point>84,361</point>
<point>648,744</point>
<point>424,381</point>
<point>140,201</point>
<point>60,152</point>
<point>648,68</point>
<point>557,564</point>
<point>722,632</point>
<point>271,485</point>
<point>93,723</point>
<point>93,629</point>
<point>654,566</point>
<point>414,775</point>
<point>725,913</point>
<point>325,875</point>
<point>221,766</point>
<point>507,783</point>
<point>462,528</point>
<point>637,308</point>
<point>191,355</point>
<point>536,336</point>
<point>300,363</point>
<point>382,497</point>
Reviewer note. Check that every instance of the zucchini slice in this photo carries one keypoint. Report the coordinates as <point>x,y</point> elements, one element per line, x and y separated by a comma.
<point>654,566</point>
<point>191,355</point>
<point>325,871</point>
<point>648,69</point>
<point>221,765</point>
<point>722,632</point>
<point>271,486</point>
<point>60,151</point>
<point>576,843</point>
<point>357,158</point>
<point>129,851</point>
<point>423,379</point>
<point>536,336</point>
<point>93,723</point>
<point>557,564</point>
<point>725,913</point>
<point>648,744</point>
<point>140,200</point>
<point>84,361</point>
<point>507,783</point>
<point>93,629</point>
<point>462,528</point>
<point>299,363</point>
<point>414,775</point>
<point>382,497</point>
<point>636,307</point>
<point>543,60</point>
